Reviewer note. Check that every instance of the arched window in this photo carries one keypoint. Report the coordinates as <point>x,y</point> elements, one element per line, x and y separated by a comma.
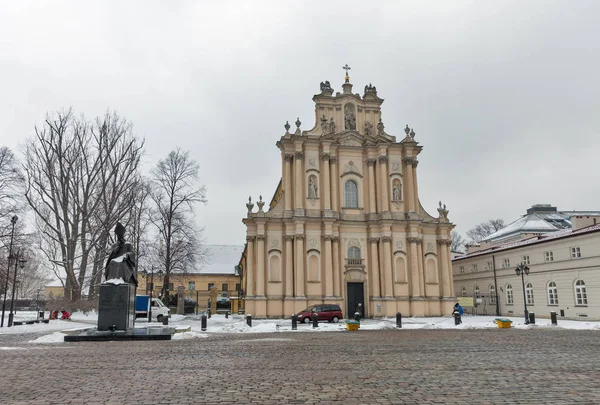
<point>492,292</point>
<point>476,291</point>
<point>580,293</point>
<point>354,255</point>
<point>464,291</point>
<point>351,191</point>
<point>529,293</point>
<point>509,295</point>
<point>552,293</point>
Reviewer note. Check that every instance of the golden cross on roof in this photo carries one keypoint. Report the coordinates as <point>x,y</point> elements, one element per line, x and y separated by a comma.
<point>346,68</point>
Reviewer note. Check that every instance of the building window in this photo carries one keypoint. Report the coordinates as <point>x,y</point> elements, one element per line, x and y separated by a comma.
<point>170,287</point>
<point>509,295</point>
<point>506,263</point>
<point>210,285</point>
<point>476,291</point>
<point>549,256</point>
<point>529,293</point>
<point>552,293</point>
<point>354,256</point>
<point>490,265</point>
<point>575,252</point>
<point>464,291</point>
<point>580,293</point>
<point>238,287</point>
<point>492,291</point>
<point>474,268</point>
<point>224,287</point>
<point>525,259</point>
<point>351,191</point>
<point>191,285</point>
<point>462,269</point>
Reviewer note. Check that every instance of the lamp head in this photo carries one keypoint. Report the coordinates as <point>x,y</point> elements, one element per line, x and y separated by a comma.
<point>22,262</point>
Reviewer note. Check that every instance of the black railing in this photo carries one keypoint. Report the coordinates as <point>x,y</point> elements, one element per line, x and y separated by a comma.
<point>354,262</point>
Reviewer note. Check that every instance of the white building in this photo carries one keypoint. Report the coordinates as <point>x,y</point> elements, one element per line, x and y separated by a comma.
<point>564,273</point>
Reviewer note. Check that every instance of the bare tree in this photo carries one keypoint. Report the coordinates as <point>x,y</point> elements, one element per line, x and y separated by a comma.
<point>174,195</point>
<point>79,185</point>
<point>485,229</point>
<point>457,242</point>
<point>11,194</point>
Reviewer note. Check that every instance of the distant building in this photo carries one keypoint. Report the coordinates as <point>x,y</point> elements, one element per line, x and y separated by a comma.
<point>564,267</point>
<point>220,270</point>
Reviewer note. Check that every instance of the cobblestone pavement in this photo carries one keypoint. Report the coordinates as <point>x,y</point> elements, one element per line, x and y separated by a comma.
<point>495,366</point>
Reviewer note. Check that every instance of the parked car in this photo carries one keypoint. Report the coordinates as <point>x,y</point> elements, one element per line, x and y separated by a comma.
<point>329,313</point>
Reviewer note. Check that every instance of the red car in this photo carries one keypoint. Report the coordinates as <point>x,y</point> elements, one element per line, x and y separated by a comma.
<point>329,313</point>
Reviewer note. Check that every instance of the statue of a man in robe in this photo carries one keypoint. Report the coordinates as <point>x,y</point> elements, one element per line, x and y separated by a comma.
<point>121,260</point>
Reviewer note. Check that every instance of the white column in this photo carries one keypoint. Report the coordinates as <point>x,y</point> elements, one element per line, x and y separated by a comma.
<point>334,183</point>
<point>336,266</point>
<point>250,266</point>
<point>260,266</point>
<point>329,271</point>
<point>298,180</point>
<point>387,266</point>
<point>374,265</point>
<point>288,185</point>
<point>372,187</point>
<point>289,266</point>
<point>300,266</point>
<point>384,184</point>
<point>326,189</point>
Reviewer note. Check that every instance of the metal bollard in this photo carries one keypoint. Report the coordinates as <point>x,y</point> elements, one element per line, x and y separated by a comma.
<point>249,320</point>
<point>532,318</point>
<point>227,315</point>
<point>315,320</point>
<point>294,322</point>
<point>357,316</point>
<point>398,320</point>
<point>165,320</point>
<point>209,314</point>
<point>553,317</point>
<point>456,319</point>
<point>203,322</point>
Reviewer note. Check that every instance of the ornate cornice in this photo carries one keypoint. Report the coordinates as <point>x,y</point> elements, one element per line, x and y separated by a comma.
<point>299,237</point>
<point>373,240</point>
<point>250,238</point>
<point>371,162</point>
<point>444,242</point>
<point>415,162</point>
<point>383,159</point>
<point>261,237</point>
<point>386,238</point>
<point>335,239</point>
<point>414,240</point>
<point>288,157</point>
<point>298,155</point>
<point>327,237</point>
<point>289,237</point>
<point>333,159</point>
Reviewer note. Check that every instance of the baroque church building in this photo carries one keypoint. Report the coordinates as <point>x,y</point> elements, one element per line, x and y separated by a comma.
<point>345,225</point>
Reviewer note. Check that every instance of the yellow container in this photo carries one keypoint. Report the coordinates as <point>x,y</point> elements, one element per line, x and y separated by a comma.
<point>352,326</point>
<point>503,323</point>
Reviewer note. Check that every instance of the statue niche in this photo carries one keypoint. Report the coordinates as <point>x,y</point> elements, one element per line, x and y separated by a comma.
<point>349,117</point>
<point>313,191</point>
<point>396,190</point>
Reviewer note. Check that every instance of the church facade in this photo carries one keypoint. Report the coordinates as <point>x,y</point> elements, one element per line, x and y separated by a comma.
<point>345,225</point>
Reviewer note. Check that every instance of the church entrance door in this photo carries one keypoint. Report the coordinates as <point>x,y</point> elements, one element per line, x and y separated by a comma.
<point>355,295</point>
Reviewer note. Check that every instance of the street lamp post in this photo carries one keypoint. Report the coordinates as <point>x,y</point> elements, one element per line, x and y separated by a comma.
<point>20,262</point>
<point>13,221</point>
<point>521,270</point>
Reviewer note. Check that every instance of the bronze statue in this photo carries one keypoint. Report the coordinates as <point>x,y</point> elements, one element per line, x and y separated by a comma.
<point>121,260</point>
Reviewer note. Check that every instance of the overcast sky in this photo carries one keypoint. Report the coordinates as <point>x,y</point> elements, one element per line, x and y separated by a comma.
<point>503,96</point>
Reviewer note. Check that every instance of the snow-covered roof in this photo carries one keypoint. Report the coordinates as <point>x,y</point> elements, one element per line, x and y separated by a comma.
<point>547,237</point>
<point>55,283</point>
<point>221,259</point>
<point>537,222</point>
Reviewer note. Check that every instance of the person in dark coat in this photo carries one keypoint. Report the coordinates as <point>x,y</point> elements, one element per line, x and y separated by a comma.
<point>457,312</point>
<point>121,260</point>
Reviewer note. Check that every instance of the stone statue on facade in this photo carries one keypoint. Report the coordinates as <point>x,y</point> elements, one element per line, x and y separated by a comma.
<point>121,260</point>
<point>368,128</point>
<point>325,86</point>
<point>312,188</point>
<point>349,118</point>
<point>396,195</point>
<point>332,126</point>
<point>380,128</point>
<point>443,212</point>
<point>370,88</point>
<point>324,125</point>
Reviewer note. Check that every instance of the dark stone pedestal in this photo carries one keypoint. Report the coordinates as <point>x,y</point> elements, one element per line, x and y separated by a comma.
<point>116,307</point>
<point>94,335</point>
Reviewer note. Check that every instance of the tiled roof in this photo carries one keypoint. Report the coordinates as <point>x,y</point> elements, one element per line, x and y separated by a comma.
<point>547,237</point>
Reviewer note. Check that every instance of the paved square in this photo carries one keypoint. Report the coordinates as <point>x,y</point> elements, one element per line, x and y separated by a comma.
<point>538,366</point>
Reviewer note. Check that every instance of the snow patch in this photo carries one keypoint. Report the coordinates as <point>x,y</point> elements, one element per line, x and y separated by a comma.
<point>56,337</point>
<point>188,335</point>
<point>115,281</point>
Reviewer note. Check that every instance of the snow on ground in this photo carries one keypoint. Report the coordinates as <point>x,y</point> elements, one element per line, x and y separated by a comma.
<point>189,326</point>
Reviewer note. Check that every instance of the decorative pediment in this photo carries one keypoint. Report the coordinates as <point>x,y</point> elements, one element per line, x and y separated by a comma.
<point>350,138</point>
<point>351,168</point>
